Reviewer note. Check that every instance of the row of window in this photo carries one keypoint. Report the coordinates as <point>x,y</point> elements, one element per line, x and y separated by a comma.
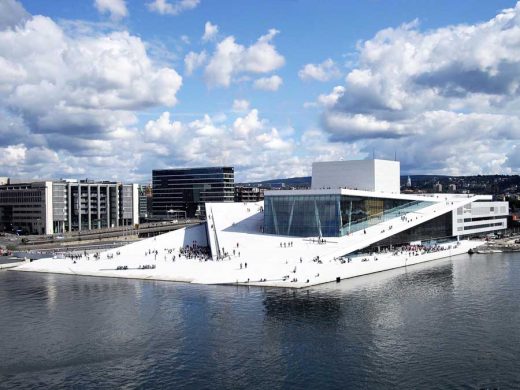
<point>487,225</point>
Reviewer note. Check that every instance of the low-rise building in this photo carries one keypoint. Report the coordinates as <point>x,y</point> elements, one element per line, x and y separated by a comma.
<point>248,194</point>
<point>57,206</point>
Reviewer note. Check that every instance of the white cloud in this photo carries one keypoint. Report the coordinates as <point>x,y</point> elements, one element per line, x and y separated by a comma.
<point>12,14</point>
<point>210,31</point>
<point>248,142</point>
<point>231,59</point>
<point>13,155</point>
<point>272,141</point>
<point>243,127</point>
<point>268,83</point>
<point>193,61</point>
<point>165,7</point>
<point>162,129</point>
<point>116,8</point>
<point>446,100</point>
<point>331,99</point>
<point>240,105</point>
<point>325,71</point>
<point>52,77</point>
<point>71,96</point>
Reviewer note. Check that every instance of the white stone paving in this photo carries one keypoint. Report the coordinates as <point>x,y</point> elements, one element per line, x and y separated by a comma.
<point>237,227</point>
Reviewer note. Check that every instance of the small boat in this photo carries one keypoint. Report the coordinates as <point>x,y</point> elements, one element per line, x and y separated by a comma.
<point>488,251</point>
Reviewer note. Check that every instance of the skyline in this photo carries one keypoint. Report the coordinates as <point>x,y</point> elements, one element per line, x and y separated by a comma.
<point>113,89</point>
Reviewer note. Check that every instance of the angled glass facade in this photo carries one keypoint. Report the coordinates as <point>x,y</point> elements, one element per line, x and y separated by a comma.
<point>435,229</point>
<point>330,215</point>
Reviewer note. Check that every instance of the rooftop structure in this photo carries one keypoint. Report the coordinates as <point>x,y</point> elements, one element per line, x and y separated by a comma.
<point>367,175</point>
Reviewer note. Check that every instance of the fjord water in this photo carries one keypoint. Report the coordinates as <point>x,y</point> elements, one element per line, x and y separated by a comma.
<point>446,324</point>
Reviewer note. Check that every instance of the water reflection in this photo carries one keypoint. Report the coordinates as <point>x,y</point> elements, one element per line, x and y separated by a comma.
<point>291,304</point>
<point>440,325</point>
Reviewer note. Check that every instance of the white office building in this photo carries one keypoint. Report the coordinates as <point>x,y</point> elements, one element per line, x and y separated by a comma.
<point>57,206</point>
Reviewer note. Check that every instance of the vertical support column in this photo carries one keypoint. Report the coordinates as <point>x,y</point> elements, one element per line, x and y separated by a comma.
<point>89,210</point>
<point>340,220</point>
<point>118,216</point>
<point>135,204</point>
<point>108,206</point>
<point>79,207</point>
<point>69,206</point>
<point>349,216</point>
<point>98,206</point>
<point>275,220</point>
<point>290,217</point>
<point>317,217</point>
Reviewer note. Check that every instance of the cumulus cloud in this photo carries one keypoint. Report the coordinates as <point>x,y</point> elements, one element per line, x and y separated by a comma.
<point>329,100</point>
<point>12,14</point>
<point>248,142</point>
<point>162,129</point>
<point>231,59</point>
<point>210,31</point>
<point>268,83</point>
<point>54,81</point>
<point>437,98</point>
<point>116,8</point>
<point>193,60</point>
<point>74,94</point>
<point>165,7</point>
<point>325,71</point>
<point>243,127</point>
<point>240,105</point>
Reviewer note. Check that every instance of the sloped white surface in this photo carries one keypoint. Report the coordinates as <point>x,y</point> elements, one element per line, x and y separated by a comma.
<point>237,227</point>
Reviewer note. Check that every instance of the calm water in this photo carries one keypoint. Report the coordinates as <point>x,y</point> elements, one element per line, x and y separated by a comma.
<point>447,324</point>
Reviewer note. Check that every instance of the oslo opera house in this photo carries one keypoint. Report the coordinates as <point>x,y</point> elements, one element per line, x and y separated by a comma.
<point>353,221</point>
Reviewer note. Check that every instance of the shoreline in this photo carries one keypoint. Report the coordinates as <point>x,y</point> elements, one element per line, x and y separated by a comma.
<point>268,274</point>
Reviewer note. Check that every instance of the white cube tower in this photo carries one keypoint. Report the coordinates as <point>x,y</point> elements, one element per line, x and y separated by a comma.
<point>366,175</point>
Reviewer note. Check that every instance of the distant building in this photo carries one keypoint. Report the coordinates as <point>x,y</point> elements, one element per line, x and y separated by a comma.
<point>366,175</point>
<point>184,191</point>
<point>248,194</point>
<point>145,202</point>
<point>437,187</point>
<point>57,206</point>
<point>452,187</point>
<point>408,182</point>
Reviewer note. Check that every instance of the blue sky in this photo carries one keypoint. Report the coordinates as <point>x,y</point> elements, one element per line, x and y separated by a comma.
<point>101,88</point>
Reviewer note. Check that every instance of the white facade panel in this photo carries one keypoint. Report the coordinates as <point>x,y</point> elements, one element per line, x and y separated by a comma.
<point>366,175</point>
<point>480,217</point>
<point>49,218</point>
<point>387,176</point>
<point>135,204</point>
<point>357,175</point>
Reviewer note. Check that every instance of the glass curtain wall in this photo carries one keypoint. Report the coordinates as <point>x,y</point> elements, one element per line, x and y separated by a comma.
<point>330,215</point>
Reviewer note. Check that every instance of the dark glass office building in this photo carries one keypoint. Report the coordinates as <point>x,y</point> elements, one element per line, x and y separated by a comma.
<point>185,190</point>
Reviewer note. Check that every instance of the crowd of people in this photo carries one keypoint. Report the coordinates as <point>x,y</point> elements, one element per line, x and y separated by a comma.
<point>416,250</point>
<point>195,252</point>
<point>408,249</point>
